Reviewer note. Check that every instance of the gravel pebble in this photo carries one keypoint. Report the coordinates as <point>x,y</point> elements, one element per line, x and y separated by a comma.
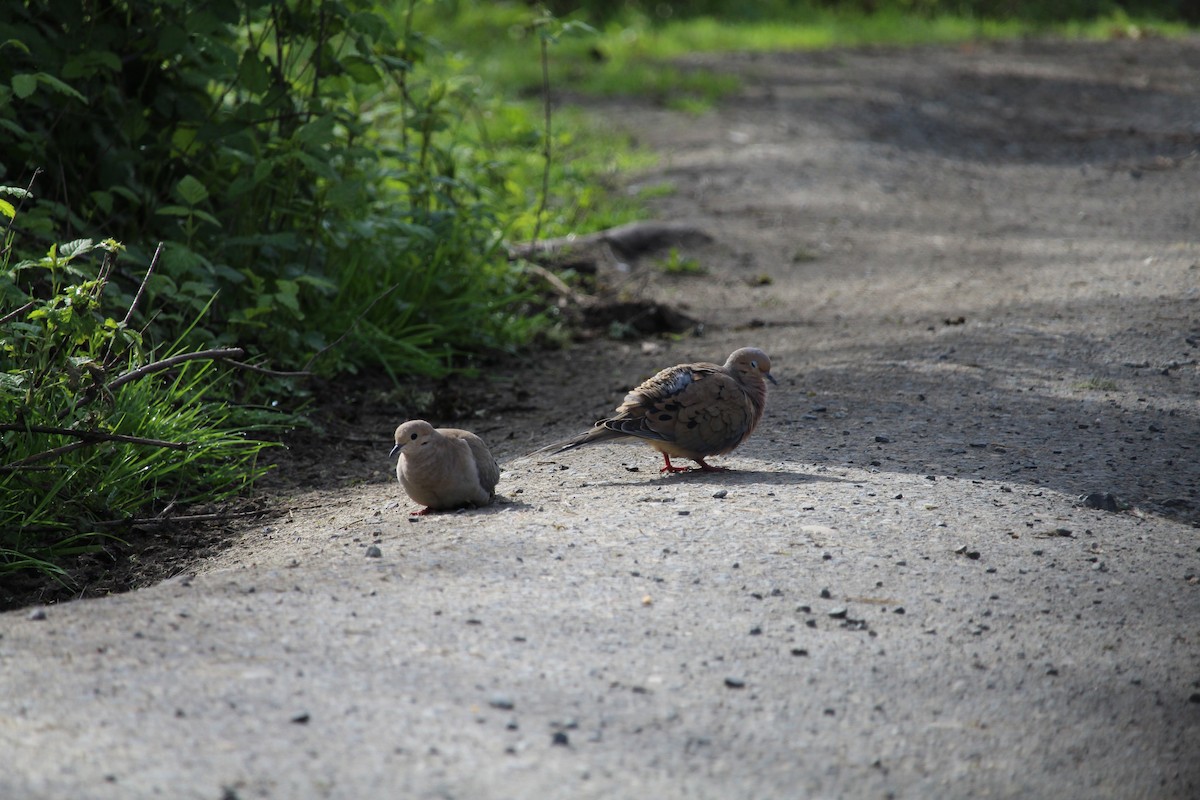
<point>501,701</point>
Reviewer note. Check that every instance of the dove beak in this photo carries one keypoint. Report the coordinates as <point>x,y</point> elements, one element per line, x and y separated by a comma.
<point>771,378</point>
<point>395,450</point>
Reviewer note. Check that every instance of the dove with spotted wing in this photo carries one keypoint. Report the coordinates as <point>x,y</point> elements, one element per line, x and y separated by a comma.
<point>444,468</point>
<point>689,411</point>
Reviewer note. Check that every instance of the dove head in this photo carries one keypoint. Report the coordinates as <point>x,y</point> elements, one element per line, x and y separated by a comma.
<point>751,365</point>
<point>414,433</point>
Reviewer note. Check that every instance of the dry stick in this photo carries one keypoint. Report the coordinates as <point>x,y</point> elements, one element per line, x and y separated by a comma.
<point>348,330</point>
<point>219,515</point>
<point>136,299</point>
<point>537,223</point>
<point>36,457</point>
<point>86,438</point>
<point>21,202</point>
<point>217,354</point>
<point>99,436</point>
<point>272,372</point>
<point>16,312</point>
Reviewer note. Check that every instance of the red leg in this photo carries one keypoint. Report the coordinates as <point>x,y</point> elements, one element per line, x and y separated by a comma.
<point>671,467</point>
<point>706,467</point>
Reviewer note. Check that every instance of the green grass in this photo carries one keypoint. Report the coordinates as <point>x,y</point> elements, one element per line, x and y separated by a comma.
<point>633,54</point>
<point>1096,385</point>
<point>94,428</point>
<point>678,264</point>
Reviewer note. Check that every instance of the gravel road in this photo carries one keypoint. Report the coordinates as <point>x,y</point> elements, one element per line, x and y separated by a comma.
<point>959,558</point>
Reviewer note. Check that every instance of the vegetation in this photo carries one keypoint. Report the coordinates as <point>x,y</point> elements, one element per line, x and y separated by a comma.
<point>319,185</point>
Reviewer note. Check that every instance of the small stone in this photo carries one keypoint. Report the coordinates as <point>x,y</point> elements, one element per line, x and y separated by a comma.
<point>1194,697</point>
<point>301,719</point>
<point>826,594</point>
<point>502,702</point>
<point>720,495</point>
<point>799,651</point>
<point>373,551</point>
<point>735,683</point>
<point>839,613</point>
<point>883,440</point>
<point>1101,501</point>
<point>37,614</point>
<point>560,739</point>
<point>756,631</point>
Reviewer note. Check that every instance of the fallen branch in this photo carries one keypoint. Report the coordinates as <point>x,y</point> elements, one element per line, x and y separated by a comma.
<point>99,436</point>
<point>629,240</point>
<point>217,354</point>
<point>272,372</point>
<point>16,312</point>
<point>86,438</point>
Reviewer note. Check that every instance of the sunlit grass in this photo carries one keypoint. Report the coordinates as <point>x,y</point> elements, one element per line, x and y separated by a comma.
<point>634,55</point>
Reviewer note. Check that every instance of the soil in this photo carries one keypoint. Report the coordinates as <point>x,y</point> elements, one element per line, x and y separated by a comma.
<point>977,272</point>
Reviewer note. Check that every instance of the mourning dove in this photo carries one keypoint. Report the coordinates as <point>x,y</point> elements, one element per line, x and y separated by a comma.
<point>443,468</point>
<point>690,410</point>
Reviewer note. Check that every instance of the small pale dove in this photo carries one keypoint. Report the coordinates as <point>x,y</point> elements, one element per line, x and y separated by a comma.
<point>690,410</point>
<point>444,468</point>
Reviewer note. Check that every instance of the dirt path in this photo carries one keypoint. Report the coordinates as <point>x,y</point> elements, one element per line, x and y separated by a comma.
<point>977,271</point>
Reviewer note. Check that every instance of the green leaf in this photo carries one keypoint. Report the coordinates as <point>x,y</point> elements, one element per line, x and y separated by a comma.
<point>317,132</point>
<point>287,296</point>
<point>253,74</point>
<point>200,213</point>
<point>191,190</point>
<point>7,209</point>
<point>361,70</point>
<point>174,211</point>
<point>365,22</point>
<point>103,201</point>
<point>60,87</point>
<point>24,85</point>
<point>75,248</point>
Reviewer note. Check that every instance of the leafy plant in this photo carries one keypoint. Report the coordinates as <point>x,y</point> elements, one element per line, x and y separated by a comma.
<point>96,428</point>
<point>678,264</point>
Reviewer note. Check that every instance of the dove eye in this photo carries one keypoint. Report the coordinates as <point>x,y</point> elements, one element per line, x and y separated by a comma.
<point>413,437</point>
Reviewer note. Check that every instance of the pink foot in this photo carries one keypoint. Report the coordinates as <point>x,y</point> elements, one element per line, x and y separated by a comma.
<point>671,467</point>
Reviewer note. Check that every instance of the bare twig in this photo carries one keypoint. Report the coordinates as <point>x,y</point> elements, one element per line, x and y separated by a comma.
<point>345,333</point>
<point>272,372</point>
<point>559,286</point>
<point>86,438</point>
<point>142,289</point>
<point>16,312</point>
<point>21,201</point>
<point>217,354</point>
<point>99,436</point>
<point>537,219</point>
<point>159,519</point>
<point>36,457</point>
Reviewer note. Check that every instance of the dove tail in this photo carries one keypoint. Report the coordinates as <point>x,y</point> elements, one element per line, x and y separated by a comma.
<point>597,434</point>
